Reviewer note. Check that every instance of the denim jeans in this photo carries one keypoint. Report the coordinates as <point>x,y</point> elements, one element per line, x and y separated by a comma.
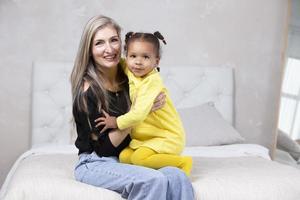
<point>131,181</point>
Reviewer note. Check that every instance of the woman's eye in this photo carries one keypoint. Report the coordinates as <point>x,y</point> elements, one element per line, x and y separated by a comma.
<point>99,43</point>
<point>114,40</point>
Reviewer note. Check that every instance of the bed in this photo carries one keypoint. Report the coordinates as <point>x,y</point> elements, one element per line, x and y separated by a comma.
<point>226,167</point>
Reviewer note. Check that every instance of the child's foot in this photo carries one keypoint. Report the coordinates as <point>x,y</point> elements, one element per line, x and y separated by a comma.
<point>187,165</point>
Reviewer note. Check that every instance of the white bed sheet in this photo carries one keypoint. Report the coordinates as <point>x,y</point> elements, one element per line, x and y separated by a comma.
<point>225,151</point>
<point>40,150</point>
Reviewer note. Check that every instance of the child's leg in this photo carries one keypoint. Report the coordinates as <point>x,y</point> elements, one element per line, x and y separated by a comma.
<point>147,157</point>
<point>125,155</point>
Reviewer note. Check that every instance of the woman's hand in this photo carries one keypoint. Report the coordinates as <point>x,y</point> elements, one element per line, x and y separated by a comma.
<point>108,121</point>
<point>159,102</point>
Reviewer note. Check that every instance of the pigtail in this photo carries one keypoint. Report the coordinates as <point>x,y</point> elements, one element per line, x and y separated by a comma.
<point>128,35</point>
<point>159,36</point>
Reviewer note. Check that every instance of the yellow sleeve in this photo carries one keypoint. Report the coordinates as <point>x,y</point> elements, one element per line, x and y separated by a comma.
<point>146,94</point>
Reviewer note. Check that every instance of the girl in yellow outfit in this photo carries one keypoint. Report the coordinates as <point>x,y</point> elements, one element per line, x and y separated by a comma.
<point>157,137</point>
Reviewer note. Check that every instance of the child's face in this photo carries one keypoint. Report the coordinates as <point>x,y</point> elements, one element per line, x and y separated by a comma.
<point>141,58</point>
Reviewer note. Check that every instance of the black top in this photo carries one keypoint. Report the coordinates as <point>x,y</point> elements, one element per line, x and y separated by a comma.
<point>118,105</point>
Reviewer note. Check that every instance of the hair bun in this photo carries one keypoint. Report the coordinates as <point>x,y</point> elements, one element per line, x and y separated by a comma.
<point>128,35</point>
<point>159,36</point>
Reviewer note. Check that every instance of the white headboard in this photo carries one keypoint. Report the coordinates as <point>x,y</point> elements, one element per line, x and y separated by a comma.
<point>194,85</point>
<point>51,103</point>
<point>188,86</point>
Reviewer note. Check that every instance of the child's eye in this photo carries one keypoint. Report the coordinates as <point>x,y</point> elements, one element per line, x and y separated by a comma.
<point>146,57</point>
<point>132,56</point>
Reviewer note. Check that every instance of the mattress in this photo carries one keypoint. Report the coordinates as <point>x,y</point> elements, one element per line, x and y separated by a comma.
<point>229,172</point>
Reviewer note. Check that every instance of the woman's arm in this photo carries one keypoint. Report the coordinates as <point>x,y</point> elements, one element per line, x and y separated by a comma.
<point>104,144</point>
<point>117,136</point>
<point>159,101</point>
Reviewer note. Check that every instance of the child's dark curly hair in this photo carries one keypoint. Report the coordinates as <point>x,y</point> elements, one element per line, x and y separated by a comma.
<point>152,38</point>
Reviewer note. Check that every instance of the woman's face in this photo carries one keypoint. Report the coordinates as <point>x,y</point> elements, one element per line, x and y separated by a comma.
<point>106,47</point>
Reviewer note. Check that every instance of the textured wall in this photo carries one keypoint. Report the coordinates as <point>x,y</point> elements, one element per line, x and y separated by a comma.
<point>294,31</point>
<point>247,35</point>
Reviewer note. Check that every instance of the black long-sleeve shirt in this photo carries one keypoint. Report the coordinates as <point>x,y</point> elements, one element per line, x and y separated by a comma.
<point>118,105</point>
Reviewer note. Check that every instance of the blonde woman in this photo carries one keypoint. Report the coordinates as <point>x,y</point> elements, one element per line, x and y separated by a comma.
<point>99,83</point>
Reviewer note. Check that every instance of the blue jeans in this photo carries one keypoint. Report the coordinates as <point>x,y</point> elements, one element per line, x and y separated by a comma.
<point>131,181</point>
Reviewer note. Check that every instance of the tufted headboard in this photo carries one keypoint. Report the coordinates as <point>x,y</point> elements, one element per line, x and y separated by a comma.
<point>51,103</point>
<point>51,96</point>
<point>194,85</point>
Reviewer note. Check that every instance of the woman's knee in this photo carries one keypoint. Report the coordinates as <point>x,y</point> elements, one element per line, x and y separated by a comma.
<point>173,172</point>
<point>147,185</point>
<point>156,179</point>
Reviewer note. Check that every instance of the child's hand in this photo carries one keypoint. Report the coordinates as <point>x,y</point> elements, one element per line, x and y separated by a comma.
<point>108,121</point>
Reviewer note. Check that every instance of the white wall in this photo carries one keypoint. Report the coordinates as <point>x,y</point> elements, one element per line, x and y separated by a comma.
<point>247,35</point>
<point>294,31</point>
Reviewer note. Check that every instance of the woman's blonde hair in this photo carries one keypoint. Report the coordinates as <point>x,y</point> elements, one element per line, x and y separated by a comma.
<point>84,67</point>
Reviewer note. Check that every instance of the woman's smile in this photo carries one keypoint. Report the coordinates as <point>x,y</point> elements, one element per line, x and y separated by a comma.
<point>106,47</point>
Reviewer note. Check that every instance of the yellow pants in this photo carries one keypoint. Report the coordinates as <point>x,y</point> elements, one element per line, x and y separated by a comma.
<point>147,157</point>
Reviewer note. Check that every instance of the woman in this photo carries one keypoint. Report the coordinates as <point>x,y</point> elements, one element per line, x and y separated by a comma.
<point>98,83</point>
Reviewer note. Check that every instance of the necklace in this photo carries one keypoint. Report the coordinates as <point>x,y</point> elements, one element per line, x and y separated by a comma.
<point>112,87</point>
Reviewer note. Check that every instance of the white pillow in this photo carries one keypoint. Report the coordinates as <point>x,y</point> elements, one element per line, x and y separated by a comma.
<point>285,143</point>
<point>204,126</point>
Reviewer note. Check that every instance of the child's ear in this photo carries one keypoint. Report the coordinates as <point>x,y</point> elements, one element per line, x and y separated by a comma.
<point>157,61</point>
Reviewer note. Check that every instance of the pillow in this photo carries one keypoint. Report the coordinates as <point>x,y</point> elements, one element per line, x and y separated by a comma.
<point>285,143</point>
<point>204,126</point>
<point>284,157</point>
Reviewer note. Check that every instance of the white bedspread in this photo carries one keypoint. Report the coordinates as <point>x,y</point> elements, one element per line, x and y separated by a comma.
<point>244,178</point>
<point>225,151</point>
<point>47,173</point>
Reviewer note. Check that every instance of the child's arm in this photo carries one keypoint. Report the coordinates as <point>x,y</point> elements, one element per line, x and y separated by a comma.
<point>145,97</point>
<point>111,122</point>
<point>141,107</point>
